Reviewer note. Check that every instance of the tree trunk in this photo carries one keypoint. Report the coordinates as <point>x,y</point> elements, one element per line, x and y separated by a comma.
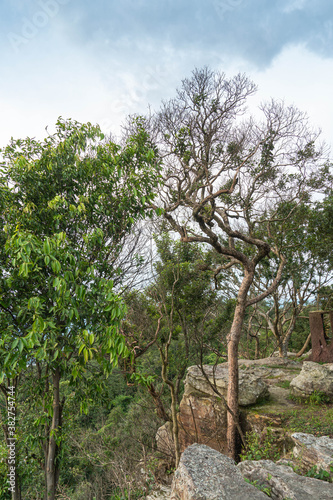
<point>286,339</point>
<point>302,351</point>
<point>160,410</point>
<point>50,473</point>
<point>233,343</point>
<point>175,429</point>
<point>281,349</point>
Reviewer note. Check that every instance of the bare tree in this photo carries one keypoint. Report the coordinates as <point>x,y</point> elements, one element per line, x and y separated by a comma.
<point>225,174</point>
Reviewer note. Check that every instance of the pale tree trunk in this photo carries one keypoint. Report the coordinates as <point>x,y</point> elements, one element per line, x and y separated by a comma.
<point>175,428</point>
<point>233,343</point>
<point>285,339</point>
<point>302,351</point>
<point>51,448</point>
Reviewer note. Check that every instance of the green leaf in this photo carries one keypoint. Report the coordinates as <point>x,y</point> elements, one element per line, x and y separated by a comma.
<point>85,355</point>
<point>46,247</point>
<point>14,344</point>
<point>82,346</point>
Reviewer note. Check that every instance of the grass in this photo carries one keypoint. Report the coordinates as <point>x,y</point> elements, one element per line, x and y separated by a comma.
<point>316,398</point>
<point>285,384</point>
<point>316,420</point>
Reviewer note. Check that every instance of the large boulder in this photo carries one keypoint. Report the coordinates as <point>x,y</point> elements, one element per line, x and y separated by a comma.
<point>313,377</point>
<point>202,413</point>
<point>251,386</point>
<point>282,482</point>
<point>206,474</point>
<point>311,451</point>
<point>164,440</point>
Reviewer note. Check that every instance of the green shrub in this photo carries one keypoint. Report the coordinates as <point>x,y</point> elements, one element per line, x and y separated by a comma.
<point>261,446</point>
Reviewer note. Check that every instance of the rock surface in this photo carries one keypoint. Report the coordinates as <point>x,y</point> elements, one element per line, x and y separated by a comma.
<point>205,474</point>
<point>202,415</point>
<point>161,493</point>
<point>164,440</point>
<point>251,386</point>
<point>313,377</point>
<point>313,451</point>
<point>283,483</point>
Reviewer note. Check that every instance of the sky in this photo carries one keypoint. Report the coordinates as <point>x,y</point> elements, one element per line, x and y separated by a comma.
<point>101,60</point>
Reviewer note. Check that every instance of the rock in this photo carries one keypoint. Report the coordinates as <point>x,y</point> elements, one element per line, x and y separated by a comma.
<point>262,424</point>
<point>276,354</point>
<point>164,440</point>
<point>282,482</point>
<point>202,420</point>
<point>251,386</point>
<point>205,474</point>
<point>313,451</point>
<point>160,493</point>
<point>202,415</point>
<point>313,377</point>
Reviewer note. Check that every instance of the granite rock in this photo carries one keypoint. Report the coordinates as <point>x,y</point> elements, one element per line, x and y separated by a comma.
<point>283,483</point>
<point>313,377</point>
<point>206,474</point>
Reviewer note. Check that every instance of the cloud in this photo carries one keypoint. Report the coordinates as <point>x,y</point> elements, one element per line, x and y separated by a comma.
<point>108,58</point>
<point>256,30</point>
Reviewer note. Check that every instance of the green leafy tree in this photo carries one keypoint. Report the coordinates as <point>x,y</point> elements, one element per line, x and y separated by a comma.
<point>68,203</point>
<point>320,239</point>
<point>305,273</point>
<point>171,316</point>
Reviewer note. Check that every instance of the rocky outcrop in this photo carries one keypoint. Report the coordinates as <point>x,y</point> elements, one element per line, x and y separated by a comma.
<point>282,482</point>
<point>202,414</point>
<point>164,440</point>
<point>161,493</point>
<point>312,451</point>
<point>206,474</point>
<point>251,386</point>
<point>313,377</point>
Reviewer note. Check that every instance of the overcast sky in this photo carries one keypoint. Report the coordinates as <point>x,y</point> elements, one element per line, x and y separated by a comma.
<point>100,60</point>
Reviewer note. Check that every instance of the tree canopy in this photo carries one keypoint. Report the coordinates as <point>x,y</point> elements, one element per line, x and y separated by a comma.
<point>70,201</point>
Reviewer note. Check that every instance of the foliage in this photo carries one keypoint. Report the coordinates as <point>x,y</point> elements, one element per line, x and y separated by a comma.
<point>316,398</point>
<point>261,447</point>
<point>321,474</point>
<point>68,204</point>
<point>314,419</point>
<point>265,489</point>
